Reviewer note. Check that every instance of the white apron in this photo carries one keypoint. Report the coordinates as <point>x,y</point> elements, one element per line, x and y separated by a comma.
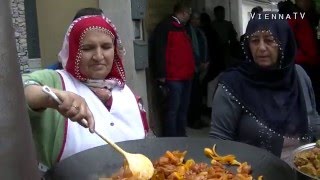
<point>122,123</point>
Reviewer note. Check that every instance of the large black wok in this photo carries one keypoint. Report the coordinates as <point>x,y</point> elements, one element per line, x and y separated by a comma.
<point>103,161</point>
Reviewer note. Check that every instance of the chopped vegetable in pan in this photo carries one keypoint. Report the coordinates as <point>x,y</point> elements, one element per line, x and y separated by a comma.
<point>173,166</point>
<point>309,162</point>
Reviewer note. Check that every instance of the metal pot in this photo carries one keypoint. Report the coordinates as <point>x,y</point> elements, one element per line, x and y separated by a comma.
<point>103,161</point>
<point>300,175</point>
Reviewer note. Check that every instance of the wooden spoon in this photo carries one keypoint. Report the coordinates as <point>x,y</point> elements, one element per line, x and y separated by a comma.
<point>140,166</point>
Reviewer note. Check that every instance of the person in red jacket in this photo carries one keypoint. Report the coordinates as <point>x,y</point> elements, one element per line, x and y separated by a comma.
<point>307,47</point>
<point>307,55</point>
<point>174,68</point>
<point>303,31</point>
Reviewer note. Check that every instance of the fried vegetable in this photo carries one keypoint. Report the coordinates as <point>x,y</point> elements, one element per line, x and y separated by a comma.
<point>173,166</point>
<point>308,161</point>
<point>227,159</point>
<point>318,143</point>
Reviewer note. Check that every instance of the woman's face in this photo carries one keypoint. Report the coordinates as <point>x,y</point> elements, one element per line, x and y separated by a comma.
<point>97,55</point>
<point>264,49</point>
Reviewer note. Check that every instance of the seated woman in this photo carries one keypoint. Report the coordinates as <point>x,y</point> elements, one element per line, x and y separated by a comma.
<point>268,101</point>
<point>92,86</point>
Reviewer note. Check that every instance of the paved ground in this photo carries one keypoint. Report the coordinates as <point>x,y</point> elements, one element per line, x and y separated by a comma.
<point>204,132</point>
<point>198,132</point>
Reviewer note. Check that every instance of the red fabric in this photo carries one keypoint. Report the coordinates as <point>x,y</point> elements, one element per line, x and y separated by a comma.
<point>77,33</point>
<point>109,103</point>
<point>179,56</point>
<point>143,114</point>
<point>306,42</point>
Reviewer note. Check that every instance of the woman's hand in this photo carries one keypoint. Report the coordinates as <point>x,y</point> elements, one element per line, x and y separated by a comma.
<point>75,108</point>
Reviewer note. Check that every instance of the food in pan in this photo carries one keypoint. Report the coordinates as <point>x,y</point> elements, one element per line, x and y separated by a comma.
<point>308,161</point>
<point>173,166</point>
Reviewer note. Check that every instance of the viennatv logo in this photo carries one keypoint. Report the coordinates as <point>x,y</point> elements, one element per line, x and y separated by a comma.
<point>294,15</point>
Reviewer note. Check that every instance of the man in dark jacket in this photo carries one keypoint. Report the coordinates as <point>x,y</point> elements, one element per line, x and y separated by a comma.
<point>228,37</point>
<point>174,68</point>
<point>200,52</point>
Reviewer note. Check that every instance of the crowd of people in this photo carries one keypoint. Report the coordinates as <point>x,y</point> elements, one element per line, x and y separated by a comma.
<point>267,91</point>
<point>267,84</point>
<point>188,50</point>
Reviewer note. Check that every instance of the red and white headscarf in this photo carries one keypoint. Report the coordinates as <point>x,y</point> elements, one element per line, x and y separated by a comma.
<point>70,54</point>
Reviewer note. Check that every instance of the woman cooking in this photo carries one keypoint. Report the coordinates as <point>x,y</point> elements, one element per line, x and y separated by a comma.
<point>268,101</point>
<point>92,86</point>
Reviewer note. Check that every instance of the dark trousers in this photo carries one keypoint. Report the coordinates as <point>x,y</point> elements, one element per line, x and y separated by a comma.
<point>195,105</point>
<point>177,103</point>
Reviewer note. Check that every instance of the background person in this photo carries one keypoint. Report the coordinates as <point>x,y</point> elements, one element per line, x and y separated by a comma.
<point>174,67</point>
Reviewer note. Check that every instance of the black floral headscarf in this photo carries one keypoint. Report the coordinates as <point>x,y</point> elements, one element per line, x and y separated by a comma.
<point>273,95</point>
